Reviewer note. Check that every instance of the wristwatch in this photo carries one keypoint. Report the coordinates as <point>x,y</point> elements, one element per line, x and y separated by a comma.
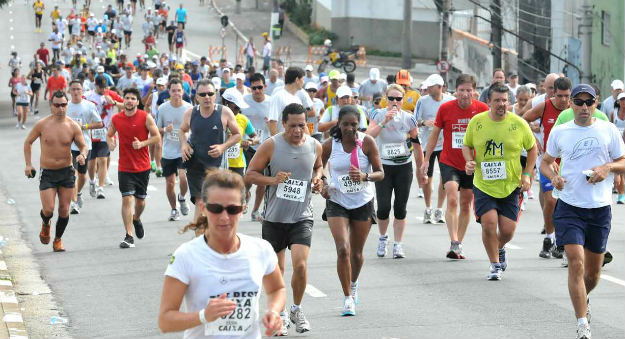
<point>366,176</point>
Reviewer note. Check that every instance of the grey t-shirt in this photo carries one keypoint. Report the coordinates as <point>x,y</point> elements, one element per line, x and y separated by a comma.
<point>83,113</point>
<point>368,89</point>
<point>271,86</point>
<point>257,113</point>
<point>168,114</point>
<point>426,109</point>
<point>392,139</point>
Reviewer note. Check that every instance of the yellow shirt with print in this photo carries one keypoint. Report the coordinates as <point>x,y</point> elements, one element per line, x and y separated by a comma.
<point>38,6</point>
<point>410,101</point>
<point>498,146</point>
<point>239,162</point>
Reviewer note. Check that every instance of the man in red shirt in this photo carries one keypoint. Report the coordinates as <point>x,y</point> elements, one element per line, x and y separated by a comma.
<point>133,126</point>
<point>43,53</point>
<point>453,118</point>
<point>55,83</point>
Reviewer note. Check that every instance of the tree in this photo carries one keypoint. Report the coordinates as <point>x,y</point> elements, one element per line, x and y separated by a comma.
<point>3,2</point>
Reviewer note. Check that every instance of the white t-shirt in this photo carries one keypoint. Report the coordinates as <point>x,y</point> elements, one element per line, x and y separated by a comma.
<point>56,39</point>
<point>267,49</point>
<point>125,82</point>
<point>582,148</point>
<point>273,86</point>
<point>607,107</point>
<point>91,23</point>
<point>127,23</point>
<point>257,113</point>
<point>209,274</point>
<point>83,113</point>
<point>332,114</point>
<point>426,109</point>
<point>281,98</point>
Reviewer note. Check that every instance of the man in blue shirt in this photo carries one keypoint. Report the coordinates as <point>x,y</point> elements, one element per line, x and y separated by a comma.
<point>181,16</point>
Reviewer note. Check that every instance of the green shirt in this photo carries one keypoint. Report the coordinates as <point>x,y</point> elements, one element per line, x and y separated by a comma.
<point>498,146</point>
<point>568,115</point>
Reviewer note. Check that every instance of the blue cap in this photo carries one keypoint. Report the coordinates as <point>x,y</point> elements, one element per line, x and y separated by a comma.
<point>583,88</point>
<point>195,63</point>
<point>322,74</point>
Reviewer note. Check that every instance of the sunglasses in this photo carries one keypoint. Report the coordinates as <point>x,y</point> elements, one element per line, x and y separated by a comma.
<point>60,105</point>
<point>311,90</point>
<point>257,88</point>
<point>394,98</point>
<point>217,208</point>
<point>581,102</point>
<point>355,97</point>
<point>206,94</point>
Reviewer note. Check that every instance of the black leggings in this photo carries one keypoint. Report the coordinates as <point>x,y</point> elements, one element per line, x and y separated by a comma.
<point>397,178</point>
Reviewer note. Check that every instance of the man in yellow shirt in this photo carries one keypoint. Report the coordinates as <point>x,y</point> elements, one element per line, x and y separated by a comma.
<point>56,13</point>
<point>404,79</point>
<point>233,99</point>
<point>492,148</point>
<point>39,7</point>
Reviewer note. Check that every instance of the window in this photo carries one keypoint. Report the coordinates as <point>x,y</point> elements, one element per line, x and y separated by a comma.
<point>606,36</point>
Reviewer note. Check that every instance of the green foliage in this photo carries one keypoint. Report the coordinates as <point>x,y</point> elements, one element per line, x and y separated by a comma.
<point>299,11</point>
<point>318,36</point>
<point>378,52</point>
<point>3,2</point>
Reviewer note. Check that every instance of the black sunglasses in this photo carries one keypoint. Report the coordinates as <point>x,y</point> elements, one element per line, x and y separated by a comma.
<point>205,94</point>
<point>256,88</point>
<point>581,102</point>
<point>60,105</point>
<point>217,208</point>
<point>311,90</point>
<point>395,98</point>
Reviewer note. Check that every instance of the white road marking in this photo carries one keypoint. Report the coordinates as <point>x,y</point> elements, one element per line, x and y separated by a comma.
<point>513,247</point>
<point>13,318</point>
<point>3,265</point>
<point>314,292</point>
<point>5,282</point>
<point>8,297</point>
<point>152,188</point>
<point>613,279</point>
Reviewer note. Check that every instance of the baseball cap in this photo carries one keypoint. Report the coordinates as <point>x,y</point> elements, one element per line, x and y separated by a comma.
<point>334,75</point>
<point>239,76</point>
<point>342,76</point>
<point>434,79</point>
<point>512,74</point>
<point>99,69</point>
<point>343,91</point>
<point>151,64</point>
<point>225,69</point>
<point>583,88</point>
<point>216,82</point>
<point>233,95</point>
<point>308,68</point>
<point>161,81</point>
<point>374,74</point>
<point>620,96</point>
<point>311,85</point>
<point>403,77</point>
<point>617,84</point>
<point>323,79</point>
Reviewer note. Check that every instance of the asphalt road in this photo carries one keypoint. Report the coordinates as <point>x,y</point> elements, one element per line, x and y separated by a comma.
<point>109,292</point>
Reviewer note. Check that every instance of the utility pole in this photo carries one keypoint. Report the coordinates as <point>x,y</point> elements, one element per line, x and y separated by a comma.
<point>444,53</point>
<point>406,51</point>
<point>496,31</point>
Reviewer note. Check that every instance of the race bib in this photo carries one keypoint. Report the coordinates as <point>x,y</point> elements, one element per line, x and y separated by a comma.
<point>173,136</point>
<point>236,324</point>
<point>347,185</point>
<point>292,189</point>
<point>99,134</point>
<point>37,81</point>
<point>390,151</point>
<point>234,152</point>
<point>493,170</point>
<point>457,139</point>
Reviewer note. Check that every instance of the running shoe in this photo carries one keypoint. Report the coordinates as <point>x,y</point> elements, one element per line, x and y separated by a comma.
<point>455,251</point>
<point>556,252</point>
<point>255,216</point>
<point>565,261</point>
<point>621,199</point>
<point>79,201</point>
<point>18,125</point>
<point>427,216</point>
<point>349,307</point>
<point>607,258</point>
<point>588,315</point>
<point>173,216</point>
<point>109,182</point>
<point>44,235</point>
<point>398,251</point>
<point>92,189</point>
<point>100,192</point>
<point>439,216</point>
<point>73,208</point>
<point>523,205</point>
<point>153,166</point>
<point>502,259</point>
<point>382,242</point>
<point>495,271</point>
<point>583,331</point>
<point>184,207</point>
<point>128,242</point>
<point>22,126</point>
<point>548,245</point>
<point>57,245</point>
<point>159,172</point>
<point>297,317</point>
<point>284,331</point>
<point>354,291</point>
<point>461,251</point>
<point>37,111</point>
<point>139,232</point>
<point>420,193</point>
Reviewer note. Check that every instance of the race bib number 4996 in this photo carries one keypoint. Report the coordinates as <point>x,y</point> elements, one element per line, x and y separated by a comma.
<point>347,185</point>
<point>493,170</point>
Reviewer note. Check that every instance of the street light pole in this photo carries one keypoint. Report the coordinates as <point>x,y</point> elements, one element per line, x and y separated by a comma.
<point>407,36</point>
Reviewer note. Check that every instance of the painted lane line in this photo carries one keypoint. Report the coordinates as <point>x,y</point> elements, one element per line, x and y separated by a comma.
<point>513,247</point>
<point>3,265</point>
<point>12,317</point>
<point>8,297</point>
<point>613,279</point>
<point>314,292</point>
<point>152,188</point>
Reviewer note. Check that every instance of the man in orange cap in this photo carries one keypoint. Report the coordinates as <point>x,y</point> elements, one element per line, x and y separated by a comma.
<point>404,79</point>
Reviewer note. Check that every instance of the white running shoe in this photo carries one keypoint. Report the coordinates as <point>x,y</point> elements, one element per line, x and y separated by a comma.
<point>173,216</point>
<point>79,201</point>
<point>354,291</point>
<point>100,192</point>
<point>184,207</point>
<point>349,307</point>
<point>420,194</point>
<point>284,331</point>
<point>398,251</point>
<point>439,216</point>
<point>92,189</point>
<point>383,242</point>
<point>73,208</point>
<point>109,182</point>
<point>297,317</point>
<point>495,272</point>
<point>565,261</point>
<point>583,332</point>
<point>427,216</point>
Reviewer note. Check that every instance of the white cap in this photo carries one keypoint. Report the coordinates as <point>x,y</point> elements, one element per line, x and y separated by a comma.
<point>374,74</point>
<point>216,82</point>
<point>530,85</point>
<point>343,91</point>
<point>434,79</point>
<point>233,95</point>
<point>239,76</point>
<point>620,96</point>
<point>310,85</point>
<point>99,69</point>
<point>151,64</point>
<point>617,84</point>
<point>161,81</point>
<point>308,68</point>
<point>225,69</point>
<point>324,78</point>
<point>342,76</point>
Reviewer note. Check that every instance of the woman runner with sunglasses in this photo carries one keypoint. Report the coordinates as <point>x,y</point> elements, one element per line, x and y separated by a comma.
<point>219,275</point>
<point>354,161</point>
<point>207,123</point>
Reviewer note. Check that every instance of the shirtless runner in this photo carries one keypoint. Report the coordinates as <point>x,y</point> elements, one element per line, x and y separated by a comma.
<point>56,133</point>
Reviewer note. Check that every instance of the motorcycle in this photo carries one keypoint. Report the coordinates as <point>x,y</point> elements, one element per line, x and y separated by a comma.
<point>339,59</point>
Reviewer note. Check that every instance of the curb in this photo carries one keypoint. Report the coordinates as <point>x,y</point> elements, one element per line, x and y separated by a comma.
<point>12,321</point>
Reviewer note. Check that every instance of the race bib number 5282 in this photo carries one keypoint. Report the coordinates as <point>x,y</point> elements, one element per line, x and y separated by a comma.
<point>237,323</point>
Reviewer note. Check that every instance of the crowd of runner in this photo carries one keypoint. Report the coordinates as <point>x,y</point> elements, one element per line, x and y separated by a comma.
<point>286,134</point>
